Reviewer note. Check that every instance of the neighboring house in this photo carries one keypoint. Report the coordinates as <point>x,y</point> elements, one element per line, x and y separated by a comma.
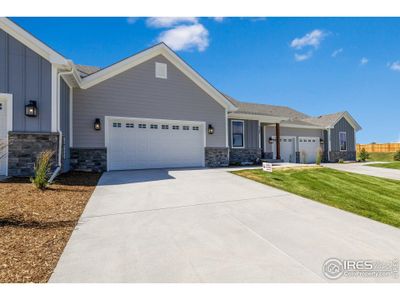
<point>151,110</point>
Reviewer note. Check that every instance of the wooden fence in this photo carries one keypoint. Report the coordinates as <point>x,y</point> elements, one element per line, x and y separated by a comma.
<point>389,147</point>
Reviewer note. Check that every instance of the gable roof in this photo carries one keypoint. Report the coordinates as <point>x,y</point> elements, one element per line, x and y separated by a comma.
<point>32,42</point>
<point>266,109</point>
<point>145,55</point>
<point>86,70</point>
<point>330,120</point>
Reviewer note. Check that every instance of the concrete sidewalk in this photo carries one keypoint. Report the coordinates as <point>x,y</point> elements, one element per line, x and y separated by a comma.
<point>363,168</point>
<point>212,226</point>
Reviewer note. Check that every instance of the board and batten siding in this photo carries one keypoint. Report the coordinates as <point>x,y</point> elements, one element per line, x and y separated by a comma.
<point>65,122</point>
<point>343,125</point>
<point>27,76</point>
<point>251,133</point>
<point>138,93</point>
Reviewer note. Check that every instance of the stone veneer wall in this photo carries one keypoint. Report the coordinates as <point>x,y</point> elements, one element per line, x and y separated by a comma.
<point>246,155</point>
<point>216,157</point>
<point>89,159</point>
<point>334,156</point>
<point>23,149</point>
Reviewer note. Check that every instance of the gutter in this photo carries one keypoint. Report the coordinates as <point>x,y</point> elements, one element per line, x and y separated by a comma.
<point>59,162</point>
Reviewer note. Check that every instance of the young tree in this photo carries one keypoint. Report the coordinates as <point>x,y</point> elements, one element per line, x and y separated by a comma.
<point>397,155</point>
<point>364,155</point>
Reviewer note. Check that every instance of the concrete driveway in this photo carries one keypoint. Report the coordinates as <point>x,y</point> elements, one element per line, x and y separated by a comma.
<point>208,225</point>
<point>363,168</point>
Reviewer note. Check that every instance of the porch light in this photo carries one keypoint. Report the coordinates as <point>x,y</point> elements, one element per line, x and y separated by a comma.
<point>31,109</point>
<point>97,124</point>
<point>270,140</point>
<point>321,141</point>
<point>210,129</point>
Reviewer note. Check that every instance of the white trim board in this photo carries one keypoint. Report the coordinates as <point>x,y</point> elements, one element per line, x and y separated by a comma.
<point>31,42</point>
<point>9,100</point>
<point>244,130</point>
<point>159,49</point>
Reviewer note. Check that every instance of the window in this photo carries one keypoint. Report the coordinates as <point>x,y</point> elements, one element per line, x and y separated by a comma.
<point>117,125</point>
<point>164,126</point>
<point>343,141</point>
<point>185,127</point>
<point>175,127</point>
<point>129,125</point>
<point>154,126</point>
<point>161,70</point>
<point>142,125</point>
<point>195,128</point>
<point>237,134</point>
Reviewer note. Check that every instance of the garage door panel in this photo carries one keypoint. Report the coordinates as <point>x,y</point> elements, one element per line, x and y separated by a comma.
<point>309,147</point>
<point>154,146</point>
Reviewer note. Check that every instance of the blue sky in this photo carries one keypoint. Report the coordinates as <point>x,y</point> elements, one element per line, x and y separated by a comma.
<point>315,65</point>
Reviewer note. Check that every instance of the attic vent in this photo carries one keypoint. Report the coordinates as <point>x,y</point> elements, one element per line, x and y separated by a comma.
<point>161,70</point>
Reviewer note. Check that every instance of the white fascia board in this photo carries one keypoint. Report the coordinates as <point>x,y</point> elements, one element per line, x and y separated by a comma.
<point>349,119</point>
<point>302,126</point>
<point>31,42</point>
<point>260,118</point>
<point>160,49</point>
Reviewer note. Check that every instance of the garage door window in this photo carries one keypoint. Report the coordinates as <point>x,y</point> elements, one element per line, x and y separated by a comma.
<point>142,126</point>
<point>237,134</point>
<point>343,141</point>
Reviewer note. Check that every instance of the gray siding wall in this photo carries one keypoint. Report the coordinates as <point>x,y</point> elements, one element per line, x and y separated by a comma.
<point>345,126</point>
<point>137,93</point>
<point>27,76</point>
<point>285,131</point>
<point>251,133</point>
<point>64,122</point>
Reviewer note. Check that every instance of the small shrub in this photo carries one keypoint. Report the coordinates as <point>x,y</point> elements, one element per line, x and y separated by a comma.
<point>364,155</point>
<point>341,161</point>
<point>396,156</point>
<point>42,170</point>
<point>319,156</point>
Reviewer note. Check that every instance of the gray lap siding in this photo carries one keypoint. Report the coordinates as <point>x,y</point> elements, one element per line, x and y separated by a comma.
<point>137,93</point>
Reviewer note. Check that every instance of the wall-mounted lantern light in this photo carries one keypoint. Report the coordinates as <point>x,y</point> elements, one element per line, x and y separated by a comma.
<point>210,129</point>
<point>97,124</point>
<point>31,109</point>
<point>271,140</point>
<point>321,141</point>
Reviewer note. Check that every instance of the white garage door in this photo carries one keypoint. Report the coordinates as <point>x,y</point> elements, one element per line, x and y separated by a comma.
<point>3,137</point>
<point>148,143</point>
<point>287,146</point>
<point>308,147</point>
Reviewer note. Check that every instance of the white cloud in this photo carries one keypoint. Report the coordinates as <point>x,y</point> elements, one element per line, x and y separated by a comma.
<point>131,20</point>
<point>219,19</point>
<point>364,61</point>
<point>337,52</point>
<point>312,38</point>
<point>395,66</point>
<point>165,22</point>
<point>185,37</point>
<point>303,57</point>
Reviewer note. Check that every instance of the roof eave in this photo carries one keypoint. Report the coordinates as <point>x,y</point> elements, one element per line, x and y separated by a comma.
<point>32,42</point>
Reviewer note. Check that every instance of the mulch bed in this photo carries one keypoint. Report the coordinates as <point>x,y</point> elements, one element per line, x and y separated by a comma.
<point>36,225</point>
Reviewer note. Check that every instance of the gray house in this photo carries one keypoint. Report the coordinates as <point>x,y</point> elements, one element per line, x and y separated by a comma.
<point>151,110</point>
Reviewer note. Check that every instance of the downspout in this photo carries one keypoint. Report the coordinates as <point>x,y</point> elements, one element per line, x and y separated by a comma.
<point>59,162</point>
<point>329,145</point>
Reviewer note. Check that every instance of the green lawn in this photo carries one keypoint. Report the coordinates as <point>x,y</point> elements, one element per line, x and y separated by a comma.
<point>371,197</point>
<point>392,165</point>
<point>380,156</point>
